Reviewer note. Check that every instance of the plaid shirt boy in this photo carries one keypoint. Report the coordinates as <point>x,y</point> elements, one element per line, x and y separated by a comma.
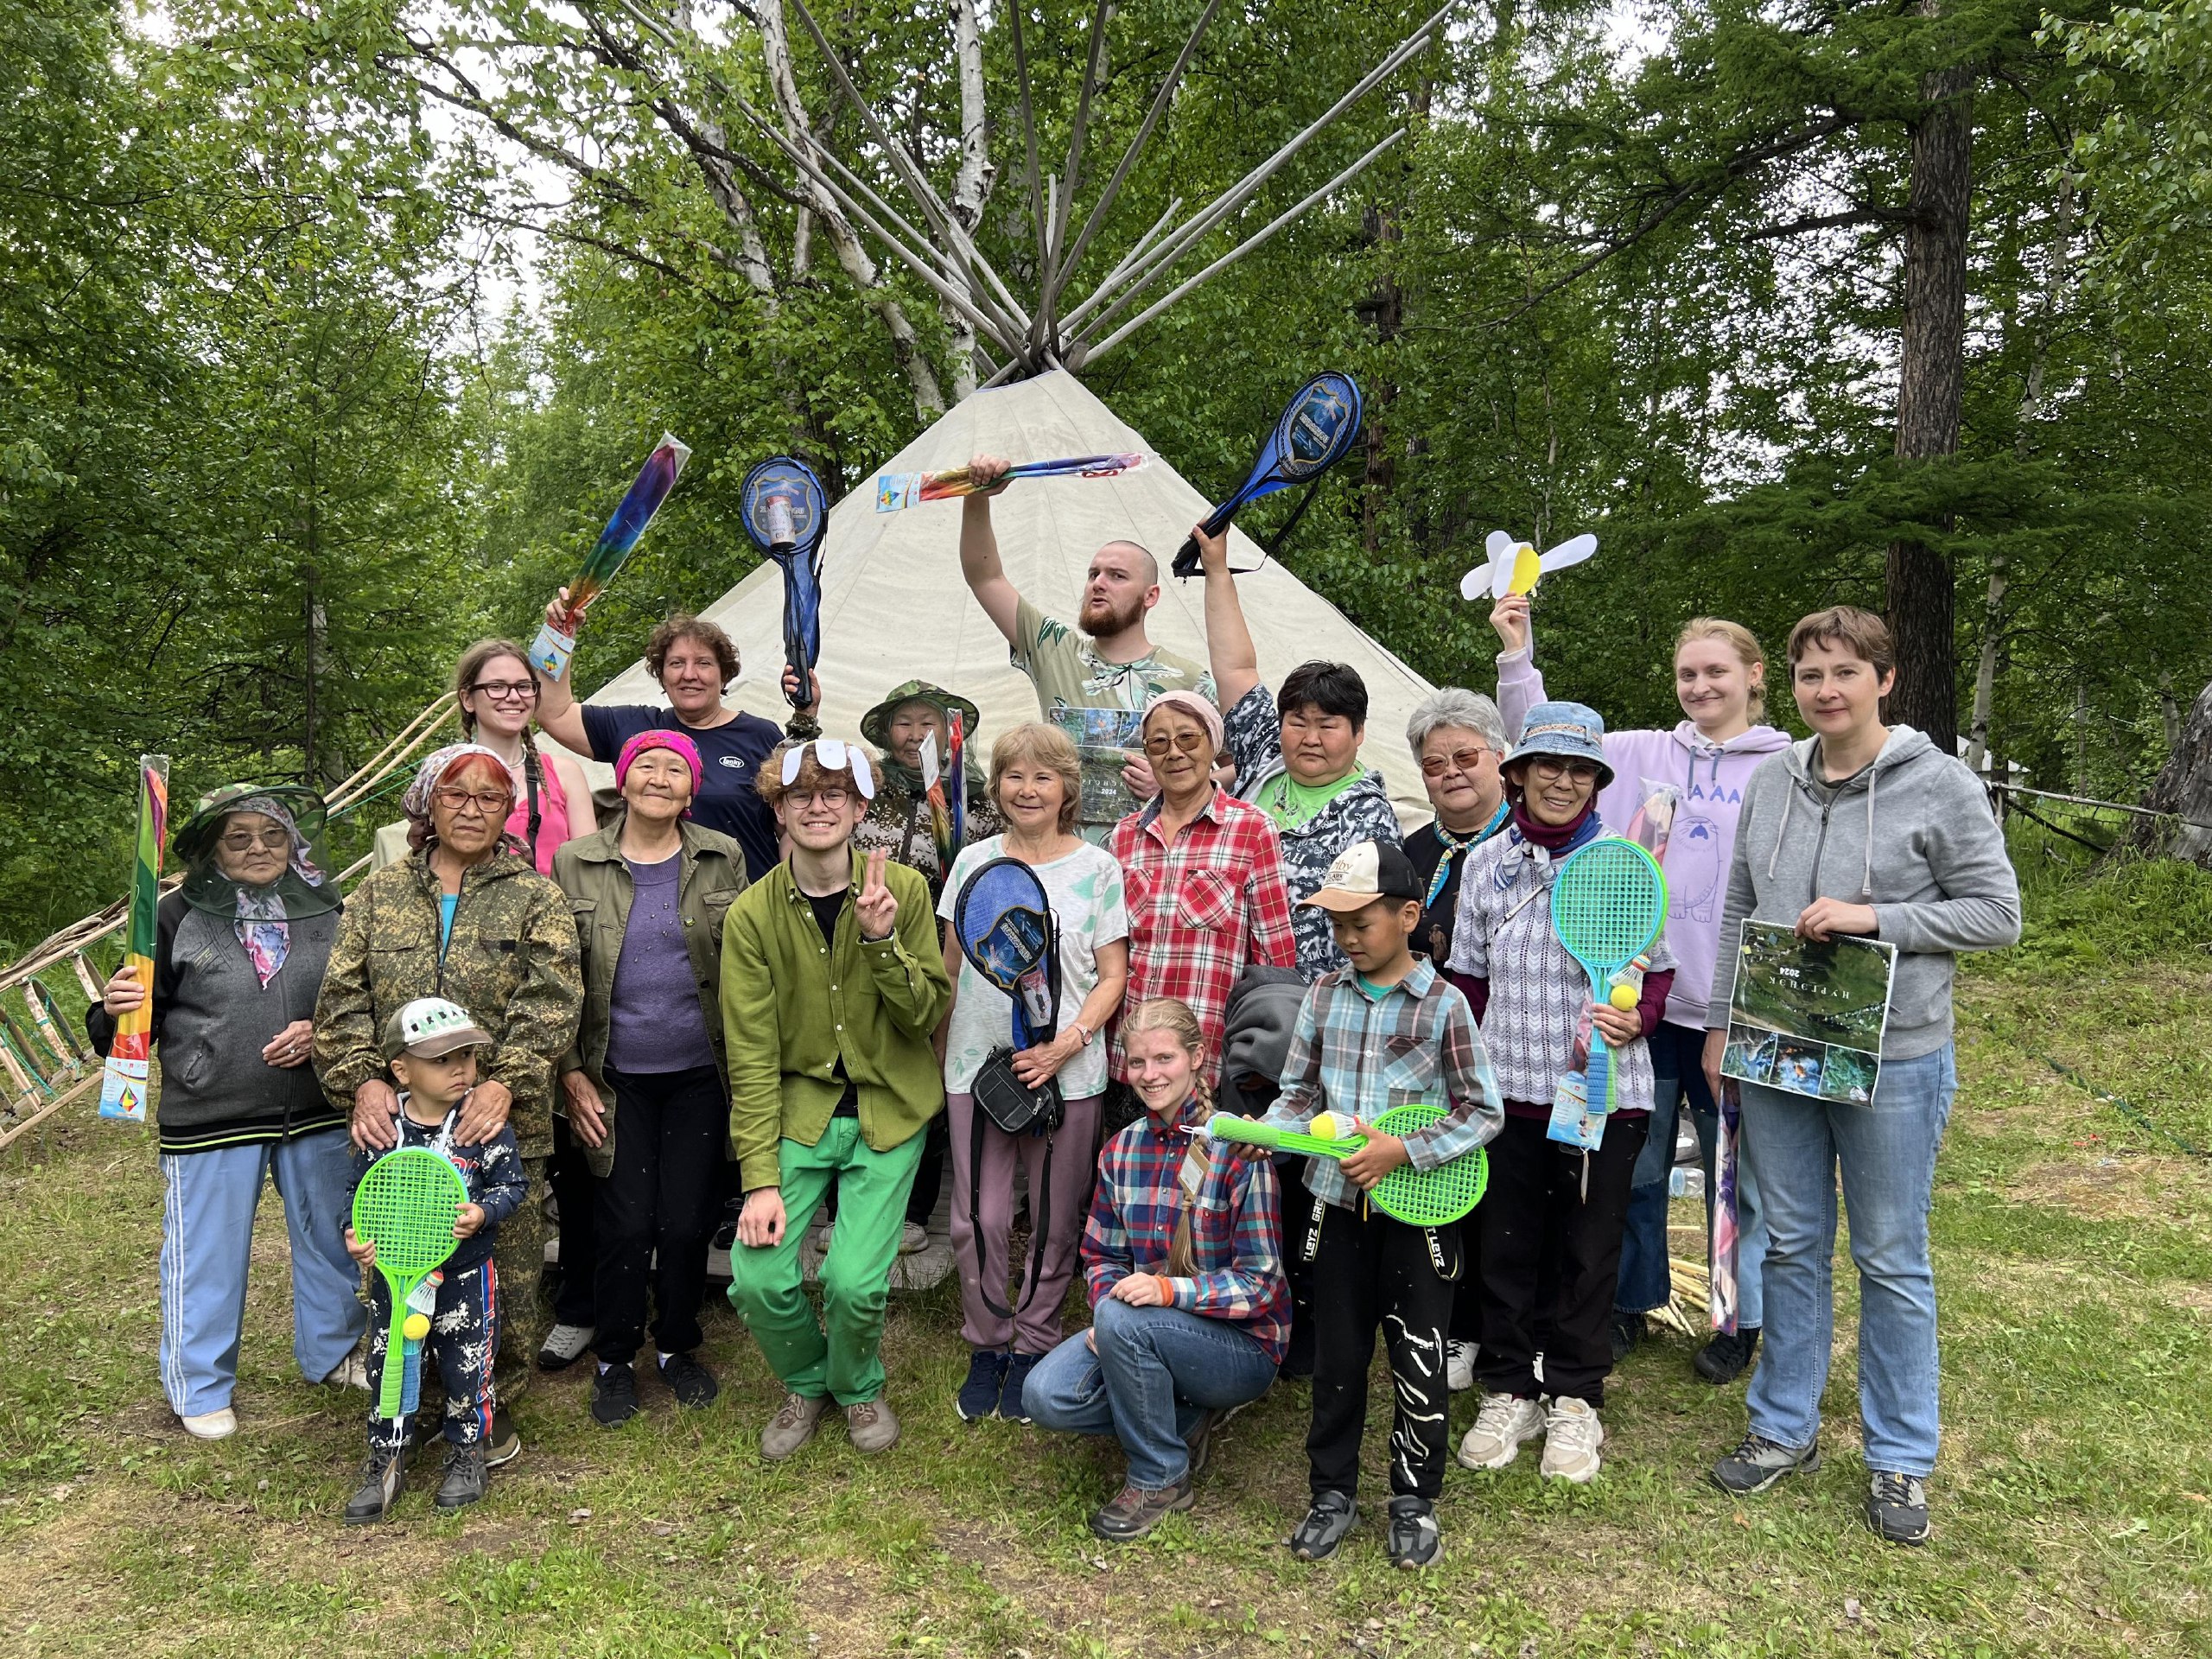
<point>1238,1275</point>
<point>1360,1051</point>
<point>1201,909</point>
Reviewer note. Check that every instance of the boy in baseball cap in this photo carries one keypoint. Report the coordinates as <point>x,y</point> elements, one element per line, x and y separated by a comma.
<point>430,1044</point>
<point>1386,1030</point>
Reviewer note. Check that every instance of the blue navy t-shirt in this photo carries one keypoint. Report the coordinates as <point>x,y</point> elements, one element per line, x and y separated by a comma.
<point>732,752</point>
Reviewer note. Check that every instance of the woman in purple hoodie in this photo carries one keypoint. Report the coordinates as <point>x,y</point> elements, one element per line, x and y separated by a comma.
<point>1719,678</point>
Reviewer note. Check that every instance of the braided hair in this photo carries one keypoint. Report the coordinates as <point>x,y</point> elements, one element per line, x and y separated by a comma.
<point>533,764</point>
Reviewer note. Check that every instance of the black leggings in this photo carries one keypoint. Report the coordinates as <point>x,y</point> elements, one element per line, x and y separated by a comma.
<point>671,1133</point>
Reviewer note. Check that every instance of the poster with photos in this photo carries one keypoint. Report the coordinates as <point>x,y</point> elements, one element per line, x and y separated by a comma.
<point>1807,1017</point>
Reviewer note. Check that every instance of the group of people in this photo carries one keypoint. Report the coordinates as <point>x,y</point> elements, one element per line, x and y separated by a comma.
<point>730,996</point>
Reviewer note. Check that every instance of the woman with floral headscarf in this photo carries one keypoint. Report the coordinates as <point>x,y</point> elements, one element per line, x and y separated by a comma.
<point>238,956</point>
<point>466,918</point>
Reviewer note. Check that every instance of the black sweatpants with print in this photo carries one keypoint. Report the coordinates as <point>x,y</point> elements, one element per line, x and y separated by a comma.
<point>1373,1271</point>
<point>464,1333</point>
<point>1551,1258</point>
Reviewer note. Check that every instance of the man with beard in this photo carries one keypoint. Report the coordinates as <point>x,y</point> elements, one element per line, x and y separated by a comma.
<point>1093,680</point>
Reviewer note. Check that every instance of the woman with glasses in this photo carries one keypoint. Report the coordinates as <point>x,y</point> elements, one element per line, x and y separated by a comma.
<point>1203,877</point>
<point>695,662</point>
<point>1710,755</point>
<point>239,949</point>
<point>1551,1221</point>
<point>466,918</point>
<point>499,701</point>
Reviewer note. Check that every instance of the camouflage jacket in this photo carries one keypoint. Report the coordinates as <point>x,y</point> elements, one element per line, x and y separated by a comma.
<point>512,962</point>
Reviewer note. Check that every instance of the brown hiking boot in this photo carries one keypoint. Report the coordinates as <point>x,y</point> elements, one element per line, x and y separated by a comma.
<point>1134,1511</point>
<point>872,1425</point>
<point>791,1426</point>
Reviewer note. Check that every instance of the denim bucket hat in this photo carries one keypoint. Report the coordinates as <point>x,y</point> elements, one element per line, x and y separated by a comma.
<point>1573,731</point>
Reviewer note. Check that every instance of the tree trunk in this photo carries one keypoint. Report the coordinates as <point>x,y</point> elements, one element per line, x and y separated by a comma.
<point>1931,376</point>
<point>2183,788</point>
<point>972,185</point>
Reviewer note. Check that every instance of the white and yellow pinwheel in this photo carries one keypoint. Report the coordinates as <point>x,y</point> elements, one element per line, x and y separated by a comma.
<point>1515,566</point>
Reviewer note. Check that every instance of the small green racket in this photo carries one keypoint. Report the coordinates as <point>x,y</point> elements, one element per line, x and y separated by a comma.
<point>1420,1198</point>
<point>1608,906</point>
<point>405,1205</point>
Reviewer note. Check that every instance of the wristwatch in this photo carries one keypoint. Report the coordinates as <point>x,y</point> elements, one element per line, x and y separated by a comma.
<point>1082,1030</point>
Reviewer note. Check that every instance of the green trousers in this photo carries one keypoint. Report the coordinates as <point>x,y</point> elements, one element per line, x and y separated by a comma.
<point>766,1287</point>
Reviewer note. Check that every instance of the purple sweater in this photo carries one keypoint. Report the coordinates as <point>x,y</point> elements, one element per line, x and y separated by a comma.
<point>654,1021</point>
<point>1711,776</point>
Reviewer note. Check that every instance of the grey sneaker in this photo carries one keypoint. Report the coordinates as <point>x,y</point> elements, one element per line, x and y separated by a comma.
<point>791,1426</point>
<point>1572,1437</point>
<point>1897,1507</point>
<point>505,1445</point>
<point>350,1372</point>
<point>1757,1463</point>
<point>913,1238</point>
<point>1324,1527</point>
<point>564,1344</point>
<point>1502,1423</point>
<point>1199,1441</point>
<point>1134,1511</point>
<point>1415,1539</point>
<point>383,1478</point>
<point>872,1425</point>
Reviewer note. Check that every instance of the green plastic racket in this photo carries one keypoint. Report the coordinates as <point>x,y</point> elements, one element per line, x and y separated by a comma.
<point>1420,1198</point>
<point>405,1206</point>
<point>1608,906</point>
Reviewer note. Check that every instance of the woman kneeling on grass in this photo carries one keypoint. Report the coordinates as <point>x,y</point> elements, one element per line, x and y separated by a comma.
<point>1932,878</point>
<point>1190,1309</point>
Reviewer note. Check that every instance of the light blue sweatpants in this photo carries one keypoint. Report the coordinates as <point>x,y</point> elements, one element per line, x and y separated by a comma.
<point>207,1207</point>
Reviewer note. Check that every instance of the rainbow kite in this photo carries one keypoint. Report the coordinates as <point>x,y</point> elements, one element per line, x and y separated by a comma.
<point>550,652</point>
<point>1724,1227</point>
<point>896,490</point>
<point>129,1058</point>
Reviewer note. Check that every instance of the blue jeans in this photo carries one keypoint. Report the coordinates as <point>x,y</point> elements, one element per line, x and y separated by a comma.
<point>1155,1371</point>
<point>1678,1072</point>
<point>1886,1151</point>
<point>208,1200</point>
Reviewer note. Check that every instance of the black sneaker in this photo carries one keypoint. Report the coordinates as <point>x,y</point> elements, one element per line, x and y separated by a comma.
<point>692,1383</point>
<point>1627,1331</point>
<point>1724,1358</point>
<point>1415,1539</point>
<point>505,1445</point>
<point>1199,1441</point>
<point>615,1395</point>
<point>1324,1527</point>
<point>1011,1405</point>
<point>1757,1463</point>
<point>465,1477</point>
<point>384,1477</point>
<point>979,1395</point>
<point>1897,1507</point>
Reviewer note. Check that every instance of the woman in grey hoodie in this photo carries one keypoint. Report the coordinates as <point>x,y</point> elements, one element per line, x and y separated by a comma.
<point>1871,830</point>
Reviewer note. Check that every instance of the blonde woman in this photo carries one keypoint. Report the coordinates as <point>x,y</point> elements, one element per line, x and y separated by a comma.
<point>1190,1311</point>
<point>1036,784</point>
<point>1721,682</point>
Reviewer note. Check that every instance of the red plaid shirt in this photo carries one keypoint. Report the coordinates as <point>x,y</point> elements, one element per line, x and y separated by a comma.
<point>1201,909</point>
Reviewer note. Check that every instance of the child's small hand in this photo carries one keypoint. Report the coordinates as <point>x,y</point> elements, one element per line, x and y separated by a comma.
<point>1382,1155</point>
<point>364,1254</point>
<point>468,1220</point>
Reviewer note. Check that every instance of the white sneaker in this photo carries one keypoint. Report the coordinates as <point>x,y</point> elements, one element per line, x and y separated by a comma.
<point>564,1344</point>
<point>352,1372</point>
<point>1503,1423</point>
<point>913,1239</point>
<point>212,1425</point>
<point>1459,1366</point>
<point>1572,1437</point>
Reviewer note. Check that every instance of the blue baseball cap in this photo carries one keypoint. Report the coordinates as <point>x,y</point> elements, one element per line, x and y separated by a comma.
<point>1573,731</point>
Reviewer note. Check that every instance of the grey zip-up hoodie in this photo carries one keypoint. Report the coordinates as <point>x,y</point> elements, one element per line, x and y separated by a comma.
<point>1912,836</point>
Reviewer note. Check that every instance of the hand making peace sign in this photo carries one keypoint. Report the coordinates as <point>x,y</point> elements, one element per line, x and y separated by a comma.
<point>876,910</point>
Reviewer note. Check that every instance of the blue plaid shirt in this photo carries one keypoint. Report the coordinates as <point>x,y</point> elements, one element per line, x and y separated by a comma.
<point>1362,1051</point>
<point>1234,1227</point>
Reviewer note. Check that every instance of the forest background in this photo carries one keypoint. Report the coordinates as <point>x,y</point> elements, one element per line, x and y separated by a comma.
<point>330,332</point>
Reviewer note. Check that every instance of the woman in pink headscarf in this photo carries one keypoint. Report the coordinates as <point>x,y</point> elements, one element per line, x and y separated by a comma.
<point>650,892</point>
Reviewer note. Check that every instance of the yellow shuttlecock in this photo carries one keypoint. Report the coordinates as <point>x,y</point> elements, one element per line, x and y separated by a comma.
<point>416,1328</point>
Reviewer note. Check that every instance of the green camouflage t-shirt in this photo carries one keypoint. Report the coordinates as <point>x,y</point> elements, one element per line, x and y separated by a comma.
<point>1099,704</point>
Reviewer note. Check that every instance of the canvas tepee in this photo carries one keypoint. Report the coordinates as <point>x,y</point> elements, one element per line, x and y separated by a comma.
<point>895,607</point>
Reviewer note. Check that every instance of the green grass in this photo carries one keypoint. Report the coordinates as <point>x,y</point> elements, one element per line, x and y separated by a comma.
<point>2074,1505</point>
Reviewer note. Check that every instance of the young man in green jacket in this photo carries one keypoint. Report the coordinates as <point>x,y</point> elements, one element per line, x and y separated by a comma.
<point>833,982</point>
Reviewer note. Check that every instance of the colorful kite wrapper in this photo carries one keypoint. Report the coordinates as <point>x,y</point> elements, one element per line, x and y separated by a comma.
<point>550,652</point>
<point>947,790</point>
<point>896,490</point>
<point>129,1058</point>
<point>1724,1209</point>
